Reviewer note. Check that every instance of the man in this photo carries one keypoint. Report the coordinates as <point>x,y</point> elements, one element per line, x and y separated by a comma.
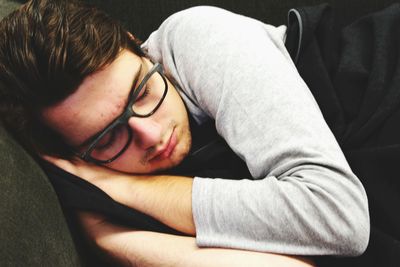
<point>89,92</point>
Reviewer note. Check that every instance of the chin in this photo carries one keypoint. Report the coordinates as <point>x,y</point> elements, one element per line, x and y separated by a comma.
<point>151,167</point>
<point>168,163</point>
<point>173,161</point>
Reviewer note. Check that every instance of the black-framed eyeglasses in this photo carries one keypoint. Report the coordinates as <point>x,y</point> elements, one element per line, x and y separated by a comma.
<point>143,102</point>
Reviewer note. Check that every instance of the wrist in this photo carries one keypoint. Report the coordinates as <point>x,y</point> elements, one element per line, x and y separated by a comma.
<point>166,198</point>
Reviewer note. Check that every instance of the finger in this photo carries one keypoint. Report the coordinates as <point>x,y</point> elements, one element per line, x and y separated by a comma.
<point>61,163</point>
<point>48,158</point>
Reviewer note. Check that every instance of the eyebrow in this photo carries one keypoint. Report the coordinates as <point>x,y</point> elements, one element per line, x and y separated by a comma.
<point>133,87</point>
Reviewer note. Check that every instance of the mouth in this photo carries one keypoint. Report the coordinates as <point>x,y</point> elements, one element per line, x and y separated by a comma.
<point>166,151</point>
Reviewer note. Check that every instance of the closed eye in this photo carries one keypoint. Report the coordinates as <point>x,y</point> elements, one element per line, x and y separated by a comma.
<point>107,141</point>
<point>146,92</point>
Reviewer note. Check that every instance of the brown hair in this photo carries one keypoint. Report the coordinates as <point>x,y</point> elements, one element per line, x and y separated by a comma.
<point>47,48</point>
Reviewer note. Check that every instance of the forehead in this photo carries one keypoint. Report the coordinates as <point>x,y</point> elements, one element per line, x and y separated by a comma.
<point>97,101</point>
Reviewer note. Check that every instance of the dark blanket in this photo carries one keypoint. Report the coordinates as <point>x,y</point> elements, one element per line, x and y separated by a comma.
<point>354,74</point>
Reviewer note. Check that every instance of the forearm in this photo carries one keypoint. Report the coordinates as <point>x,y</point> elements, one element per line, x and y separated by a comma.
<point>323,212</point>
<point>228,208</point>
<point>166,198</point>
<point>140,248</point>
<point>155,249</point>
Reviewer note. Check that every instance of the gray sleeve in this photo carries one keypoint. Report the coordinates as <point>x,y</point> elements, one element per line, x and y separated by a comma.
<point>304,198</point>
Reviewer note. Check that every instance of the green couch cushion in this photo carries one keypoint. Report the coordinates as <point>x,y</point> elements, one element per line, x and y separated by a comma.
<point>33,231</point>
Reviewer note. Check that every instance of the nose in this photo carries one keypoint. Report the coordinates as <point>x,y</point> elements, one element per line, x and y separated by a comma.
<point>146,132</point>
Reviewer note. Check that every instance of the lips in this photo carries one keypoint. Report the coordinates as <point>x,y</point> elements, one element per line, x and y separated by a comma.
<point>167,150</point>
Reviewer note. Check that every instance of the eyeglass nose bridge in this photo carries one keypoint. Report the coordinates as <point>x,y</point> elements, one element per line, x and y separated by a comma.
<point>129,113</point>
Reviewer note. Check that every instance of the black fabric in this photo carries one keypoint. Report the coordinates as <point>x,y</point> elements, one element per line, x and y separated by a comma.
<point>143,17</point>
<point>210,156</point>
<point>354,74</point>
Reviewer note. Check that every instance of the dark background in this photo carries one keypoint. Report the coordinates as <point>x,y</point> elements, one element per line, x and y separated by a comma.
<point>144,16</point>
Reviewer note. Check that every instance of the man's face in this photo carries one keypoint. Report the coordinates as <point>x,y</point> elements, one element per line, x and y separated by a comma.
<point>159,142</point>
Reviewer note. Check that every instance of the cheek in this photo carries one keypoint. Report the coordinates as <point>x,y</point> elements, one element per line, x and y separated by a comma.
<point>167,111</point>
<point>174,104</point>
<point>129,161</point>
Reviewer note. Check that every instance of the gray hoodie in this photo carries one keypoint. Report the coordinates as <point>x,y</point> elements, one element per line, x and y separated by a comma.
<point>303,198</point>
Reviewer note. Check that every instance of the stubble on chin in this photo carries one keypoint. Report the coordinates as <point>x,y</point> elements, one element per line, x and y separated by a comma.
<point>145,159</point>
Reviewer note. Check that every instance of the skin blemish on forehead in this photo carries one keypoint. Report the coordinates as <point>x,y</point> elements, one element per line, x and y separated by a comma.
<point>120,105</point>
<point>117,109</point>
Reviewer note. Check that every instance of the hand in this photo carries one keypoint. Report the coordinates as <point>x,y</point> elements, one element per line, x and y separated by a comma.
<point>87,171</point>
<point>102,177</point>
